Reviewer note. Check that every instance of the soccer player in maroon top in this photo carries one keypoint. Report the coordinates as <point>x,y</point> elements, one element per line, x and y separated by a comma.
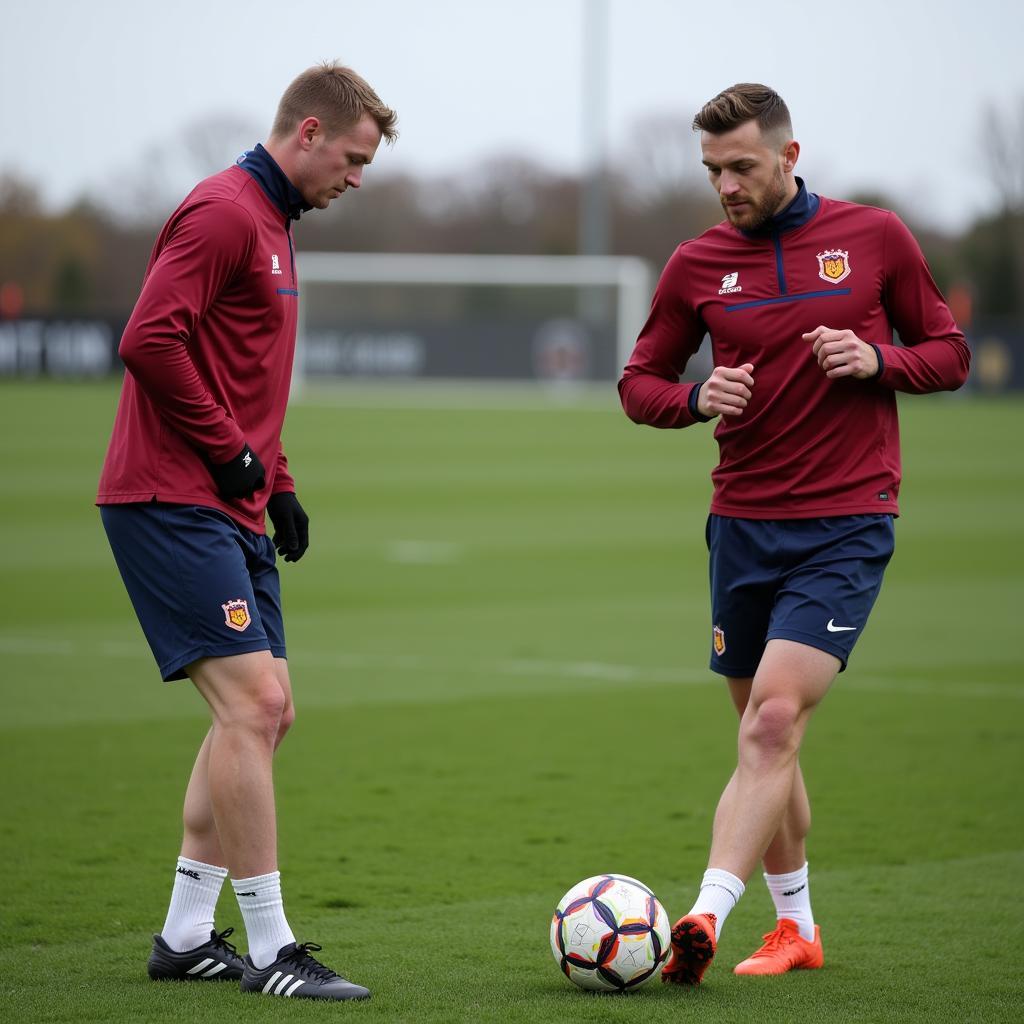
<point>194,462</point>
<point>801,296</point>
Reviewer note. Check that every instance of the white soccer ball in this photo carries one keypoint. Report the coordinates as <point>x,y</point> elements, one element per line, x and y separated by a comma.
<point>609,933</point>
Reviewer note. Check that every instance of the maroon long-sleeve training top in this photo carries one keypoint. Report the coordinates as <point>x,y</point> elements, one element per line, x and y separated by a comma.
<point>209,348</point>
<point>805,446</point>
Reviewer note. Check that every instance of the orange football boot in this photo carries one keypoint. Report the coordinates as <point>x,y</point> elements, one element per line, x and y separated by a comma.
<point>693,946</point>
<point>784,950</point>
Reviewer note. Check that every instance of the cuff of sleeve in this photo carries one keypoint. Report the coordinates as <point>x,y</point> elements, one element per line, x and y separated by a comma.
<point>691,402</point>
<point>881,362</point>
<point>225,451</point>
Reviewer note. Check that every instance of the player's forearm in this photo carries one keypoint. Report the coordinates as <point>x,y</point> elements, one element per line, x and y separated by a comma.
<point>163,369</point>
<point>937,365</point>
<point>656,402</point>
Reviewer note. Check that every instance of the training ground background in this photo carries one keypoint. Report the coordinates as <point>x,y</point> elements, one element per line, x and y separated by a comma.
<point>498,642</point>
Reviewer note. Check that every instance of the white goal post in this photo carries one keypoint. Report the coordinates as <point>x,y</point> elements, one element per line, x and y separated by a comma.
<point>629,276</point>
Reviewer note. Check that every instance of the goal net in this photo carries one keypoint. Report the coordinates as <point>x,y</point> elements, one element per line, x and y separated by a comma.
<point>468,317</point>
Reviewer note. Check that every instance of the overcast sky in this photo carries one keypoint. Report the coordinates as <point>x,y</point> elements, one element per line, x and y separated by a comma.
<point>885,94</point>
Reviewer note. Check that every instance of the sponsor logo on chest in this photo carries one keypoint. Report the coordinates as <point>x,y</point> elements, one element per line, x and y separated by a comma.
<point>730,284</point>
<point>275,264</point>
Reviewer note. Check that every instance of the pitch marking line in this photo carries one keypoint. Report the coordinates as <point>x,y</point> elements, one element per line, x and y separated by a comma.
<point>598,671</point>
<point>423,552</point>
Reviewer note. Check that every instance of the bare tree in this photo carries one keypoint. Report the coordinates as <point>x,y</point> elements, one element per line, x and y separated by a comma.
<point>1003,143</point>
<point>146,190</point>
<point>994,248</point>
<point>18,195</point>
<point>663,156</point>
<point>215,140</point>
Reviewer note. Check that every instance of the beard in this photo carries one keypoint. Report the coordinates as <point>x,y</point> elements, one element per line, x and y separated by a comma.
<point>760,210</point>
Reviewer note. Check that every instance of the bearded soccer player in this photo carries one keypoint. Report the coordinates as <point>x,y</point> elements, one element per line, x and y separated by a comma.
<point>801,296</point>
<point>194,462</point>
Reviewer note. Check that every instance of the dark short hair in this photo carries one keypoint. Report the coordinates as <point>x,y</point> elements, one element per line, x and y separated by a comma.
<point>337,97</point>
<point>746,101</point>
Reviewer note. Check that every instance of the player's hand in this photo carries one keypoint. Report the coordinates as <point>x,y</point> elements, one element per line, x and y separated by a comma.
<point>843,354</point>
<point>241,477</point>
<point>291,525</point>
<point>726,391</point>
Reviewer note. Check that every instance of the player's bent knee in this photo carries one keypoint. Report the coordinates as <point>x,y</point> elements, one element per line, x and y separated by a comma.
<point>269,705</point>
<point>259,707</point>
<point>771,727</point>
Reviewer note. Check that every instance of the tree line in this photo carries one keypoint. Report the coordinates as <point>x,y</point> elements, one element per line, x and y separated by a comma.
<point>89,259</point>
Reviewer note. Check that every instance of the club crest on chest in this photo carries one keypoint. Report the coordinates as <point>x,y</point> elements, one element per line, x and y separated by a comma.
<point>834,265</point>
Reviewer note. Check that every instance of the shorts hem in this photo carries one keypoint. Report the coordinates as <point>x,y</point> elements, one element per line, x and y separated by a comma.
<point>173,670</point>
<point>732,673</point>
<point>810,640</point>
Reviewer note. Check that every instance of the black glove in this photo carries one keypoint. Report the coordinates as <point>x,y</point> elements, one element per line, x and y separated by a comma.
<point>241,477</point>
<point>291,525</point>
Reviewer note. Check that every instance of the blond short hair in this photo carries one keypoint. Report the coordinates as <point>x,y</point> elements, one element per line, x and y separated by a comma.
<point>337,97</point>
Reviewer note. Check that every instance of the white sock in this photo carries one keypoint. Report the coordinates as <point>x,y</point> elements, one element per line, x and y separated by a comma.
<point>259,899</point>
<point>792,896</point>
<point>193,901</point>
<point>720,891</point>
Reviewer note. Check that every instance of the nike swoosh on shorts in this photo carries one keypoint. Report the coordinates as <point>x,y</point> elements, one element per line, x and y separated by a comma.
<point>833,628</point>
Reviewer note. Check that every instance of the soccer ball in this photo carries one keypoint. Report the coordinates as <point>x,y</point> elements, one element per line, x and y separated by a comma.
<point>609,933</point>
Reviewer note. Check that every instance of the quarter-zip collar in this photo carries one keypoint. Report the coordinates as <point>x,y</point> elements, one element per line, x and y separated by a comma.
<point>263,168</point>
<point>803,207</point>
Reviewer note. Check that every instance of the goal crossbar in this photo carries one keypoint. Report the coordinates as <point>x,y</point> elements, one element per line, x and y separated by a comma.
<point>628,274</point>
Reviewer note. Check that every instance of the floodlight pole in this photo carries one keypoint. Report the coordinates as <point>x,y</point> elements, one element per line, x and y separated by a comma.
<point>593,235</point>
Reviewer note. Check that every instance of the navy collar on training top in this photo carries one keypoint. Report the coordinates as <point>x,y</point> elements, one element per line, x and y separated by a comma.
<point>803,207</point>
<point>263,168</point>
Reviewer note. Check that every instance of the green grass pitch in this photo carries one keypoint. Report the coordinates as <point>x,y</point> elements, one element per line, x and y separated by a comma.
<point>498,641</point>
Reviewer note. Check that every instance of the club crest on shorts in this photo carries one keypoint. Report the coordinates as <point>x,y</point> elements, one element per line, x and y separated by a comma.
<point>834,265</point>
<point>236,614</point>
<point>718,639</point>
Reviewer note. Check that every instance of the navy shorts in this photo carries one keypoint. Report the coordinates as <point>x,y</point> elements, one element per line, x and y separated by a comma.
<point>202,585</point>
<point>809,580</point>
